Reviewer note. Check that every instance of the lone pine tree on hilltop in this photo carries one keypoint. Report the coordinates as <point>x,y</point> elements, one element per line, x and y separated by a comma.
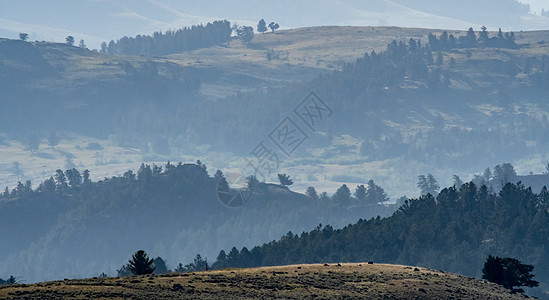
<point>141,264</point>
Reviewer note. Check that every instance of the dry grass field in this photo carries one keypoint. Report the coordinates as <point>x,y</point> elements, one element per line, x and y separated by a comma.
<point>315,281</point>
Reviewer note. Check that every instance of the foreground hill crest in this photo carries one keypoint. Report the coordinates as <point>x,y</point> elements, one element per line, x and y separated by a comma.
<point>314,281</point>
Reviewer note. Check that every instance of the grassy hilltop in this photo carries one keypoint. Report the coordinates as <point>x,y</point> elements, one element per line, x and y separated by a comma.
<point>316,281</point>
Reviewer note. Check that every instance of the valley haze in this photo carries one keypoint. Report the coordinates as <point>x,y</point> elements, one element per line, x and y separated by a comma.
<point>128,125</point>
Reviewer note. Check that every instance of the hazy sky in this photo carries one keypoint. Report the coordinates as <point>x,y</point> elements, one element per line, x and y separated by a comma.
<point>536,5</point>
<point>97,21</point>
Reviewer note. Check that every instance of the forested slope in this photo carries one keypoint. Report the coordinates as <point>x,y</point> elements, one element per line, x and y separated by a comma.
<point>70,226</point>
<point>454,231</point>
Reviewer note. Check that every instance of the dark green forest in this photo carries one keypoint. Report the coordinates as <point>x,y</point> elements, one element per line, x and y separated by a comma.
<point>454,231</point>
<point>169,42</point>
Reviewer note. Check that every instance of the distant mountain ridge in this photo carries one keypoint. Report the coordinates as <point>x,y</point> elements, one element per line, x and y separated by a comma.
<point>98,21</point>
<point>419,109</point>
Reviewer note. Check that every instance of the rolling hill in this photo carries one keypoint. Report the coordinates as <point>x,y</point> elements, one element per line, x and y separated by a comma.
<point>202,100</point>
<point>318,281</point>
<point>99,21</point>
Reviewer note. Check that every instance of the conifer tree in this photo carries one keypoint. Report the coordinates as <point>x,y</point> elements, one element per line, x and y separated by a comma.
<point>261,26</point>
<point>141,264</point>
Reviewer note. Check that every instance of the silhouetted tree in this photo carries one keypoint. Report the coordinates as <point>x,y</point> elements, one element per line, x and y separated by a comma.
<point>70,40</point>
<point>323,197</point>
<point>360,193</point>
<point>483,36</point>
<point>160,266</point>
<point>500,34</point>
<point>141,264</point>
<point>375,193</point>
<point>23,36</point>
<point>508,272</point>
<point>222,184</point>
<point>198,264</point>
<point>311,193</point>
<point>86,177</point>
<point>124,271</point>
<point>47,185</point>
<point>104,48</point>
<point>60,180</point>
<point>457,181</point>
<point>285,180</point>
<point>342,195</point>
<point>245,33</point>
<point>220,261</point>
<point>427,184</point>
<point>82,44</point>
<point>470,38</point>
<point>180,268</point>
<point>273,26</point>
<point>503,174</point>
<point>74,177</point>
<point>261,26</point>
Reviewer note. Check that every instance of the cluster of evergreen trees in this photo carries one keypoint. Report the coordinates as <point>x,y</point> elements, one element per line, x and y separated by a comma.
<point>140,264</point>
<point>455,231</point>
<point>448,41</point>
<point>67,181</point>
<point>169,42</point>
<point>371,194</point>
<point>176,207</point>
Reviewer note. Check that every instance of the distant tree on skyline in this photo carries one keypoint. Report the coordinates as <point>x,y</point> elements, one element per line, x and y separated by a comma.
<point>70,40</point>
<point>245,33</point>
<point>262,26</point>
<point>160,266</point>
<point>470,38</point>
<point>23,36</point>
<point>360,193</point>
<point>104,48</point>
<point>273,26</point>
<point>141,264</point>
<point>311,193</point>
<point>375,194</point>
<point>342,195</point>
<point>457,181</point>
<point>428,184</point>
<point>222,184</point>
<point>198,264</point>
<point>82,44</point>
<point>285,180</point>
